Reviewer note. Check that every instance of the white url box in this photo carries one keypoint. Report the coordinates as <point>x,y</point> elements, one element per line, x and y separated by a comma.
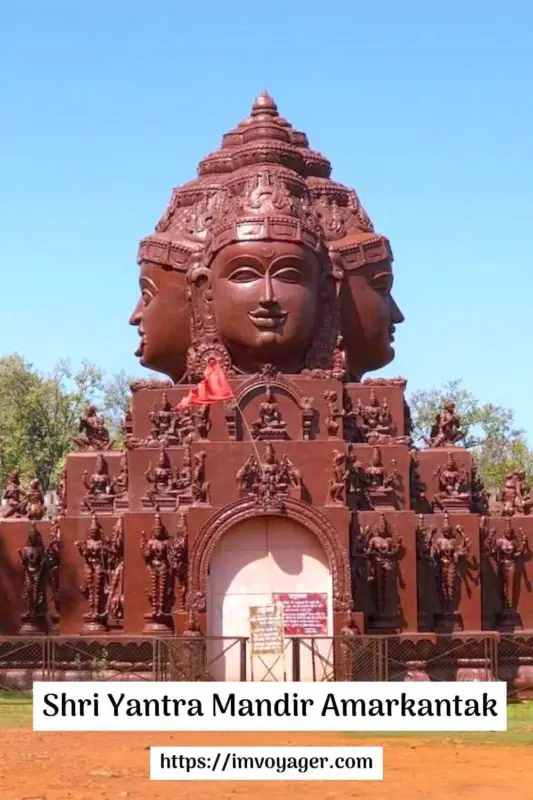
<point>266,763</point>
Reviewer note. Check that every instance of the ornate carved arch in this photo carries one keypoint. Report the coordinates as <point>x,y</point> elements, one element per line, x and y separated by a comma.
<point>307,516</point>
<point>260,382</point>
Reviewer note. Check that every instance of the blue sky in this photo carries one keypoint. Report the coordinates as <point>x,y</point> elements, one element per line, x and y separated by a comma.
<point>427,109</point>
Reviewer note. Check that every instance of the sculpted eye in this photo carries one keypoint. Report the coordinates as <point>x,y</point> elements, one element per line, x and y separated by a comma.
<point>244,275</point>
<point>288,275</point>
<point>147,297</point>
<point>382,286</point>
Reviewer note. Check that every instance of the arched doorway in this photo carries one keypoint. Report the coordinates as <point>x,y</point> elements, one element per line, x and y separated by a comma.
<point>251,562</point>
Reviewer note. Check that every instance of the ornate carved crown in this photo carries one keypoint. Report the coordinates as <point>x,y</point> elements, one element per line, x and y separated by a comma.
<point>263,183</point>
<point>270,203</point>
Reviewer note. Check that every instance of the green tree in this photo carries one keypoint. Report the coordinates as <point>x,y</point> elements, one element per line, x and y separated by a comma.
<point>490,433</point>
<point>39,413</point>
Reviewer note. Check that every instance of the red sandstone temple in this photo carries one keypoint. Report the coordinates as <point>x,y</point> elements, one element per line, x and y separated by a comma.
<point>300,487</point>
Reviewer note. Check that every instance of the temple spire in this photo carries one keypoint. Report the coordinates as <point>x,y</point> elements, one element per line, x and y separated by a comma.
<point>264,104</point>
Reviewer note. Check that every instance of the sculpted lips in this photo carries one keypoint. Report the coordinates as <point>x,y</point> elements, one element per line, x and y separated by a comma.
<point>267,318</point>
<point>138,353</point>
<point>392,331</point>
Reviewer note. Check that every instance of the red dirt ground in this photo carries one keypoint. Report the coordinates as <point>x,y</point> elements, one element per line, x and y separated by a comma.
<point>93,766</point>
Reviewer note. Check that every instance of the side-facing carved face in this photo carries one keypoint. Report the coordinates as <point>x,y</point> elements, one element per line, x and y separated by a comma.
<point>369,315</point>
<point>162,319</point>
<point>265,297</point>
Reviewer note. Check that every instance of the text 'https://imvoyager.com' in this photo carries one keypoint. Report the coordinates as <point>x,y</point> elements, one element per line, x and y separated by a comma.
<point>266,763</point>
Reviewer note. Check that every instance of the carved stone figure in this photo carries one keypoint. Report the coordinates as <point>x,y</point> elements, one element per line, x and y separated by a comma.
<point>453,488</point>
<point>448,549</point>
<point>382,551</point>
<point>334,416</point>
<point>180,559</point>
<point>381,490</point>
<point>163,421</point>
<point>252,253</point>
<point>417,487</point>
<point>120,485</point>
<point>337,484</point>
<point>34,505</point>
<point>308,418</point>
<point>508,548</point>
<point>33,560</point>
<point>158,557</point>
<point>480,496</point>
<point>115,574</point>
<point>99,497</point>
<point>52,568</point>
<point>511,498</point>
<point>270,424</point>
<point>374,420</point>
<point>269,480</point>
<point>164,491</point>
<point>14,497</point>
<point>94,551</point>
<point>446,431</point>
<point>93,432</point>
<point>203,421</point>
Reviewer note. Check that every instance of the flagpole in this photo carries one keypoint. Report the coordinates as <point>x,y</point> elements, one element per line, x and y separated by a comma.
<point>254,445</point>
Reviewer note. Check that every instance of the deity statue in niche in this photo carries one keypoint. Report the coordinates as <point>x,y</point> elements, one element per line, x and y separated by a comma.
<point>447,549</point>
<point>261,263</point>
<point>374,419</point>
<point>163,490</point>
<point>115,574</point>
<point>382,549</point>
<point>446,430</point>
<point>270,424</point>
<point>269,480</point>
<point>355,488</point>
<point>33,560</point>
<point>93,431</point>
<point>99,487</point>
<point>94,551</point>
<point>162,419</point>
<point>512,498</point>
<point>179,559</point>
<point>334,415</point>
<point>508,548</point>
<point>337,484</point>
<point>52,568</point>
<point>453,486</point>
<point>120,484</point>
<point>381,490</point>
<point>158,557</point>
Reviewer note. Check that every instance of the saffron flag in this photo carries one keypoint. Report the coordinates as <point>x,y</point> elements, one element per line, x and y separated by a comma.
<point>214,388</point>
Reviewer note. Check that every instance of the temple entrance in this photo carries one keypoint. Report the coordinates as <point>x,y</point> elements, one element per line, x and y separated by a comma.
<point>253,561</point>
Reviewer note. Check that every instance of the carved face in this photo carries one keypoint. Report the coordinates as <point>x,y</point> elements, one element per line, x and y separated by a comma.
<point>162,319</point>
<point>266,299</point>
<point>369,314</point>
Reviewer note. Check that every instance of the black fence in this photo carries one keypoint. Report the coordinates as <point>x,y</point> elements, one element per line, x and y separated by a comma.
<point>357,658</point>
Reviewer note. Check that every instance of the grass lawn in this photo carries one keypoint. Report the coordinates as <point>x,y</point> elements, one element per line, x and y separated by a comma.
<point>16,712</point>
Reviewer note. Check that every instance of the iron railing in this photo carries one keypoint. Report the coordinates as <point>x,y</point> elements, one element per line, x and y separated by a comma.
<point>480,656</point>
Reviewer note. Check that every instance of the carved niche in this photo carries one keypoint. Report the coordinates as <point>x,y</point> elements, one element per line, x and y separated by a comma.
<point>187,487</point>
<point>453,488</point>
<point>269,480</point>
<point>507,549</point>
<point>379,549</point>
<point>33,560</point>
<point>165,558</point>
<point>446,552</point>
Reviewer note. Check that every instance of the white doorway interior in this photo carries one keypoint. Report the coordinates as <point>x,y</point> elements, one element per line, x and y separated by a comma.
<point>252,561</point>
